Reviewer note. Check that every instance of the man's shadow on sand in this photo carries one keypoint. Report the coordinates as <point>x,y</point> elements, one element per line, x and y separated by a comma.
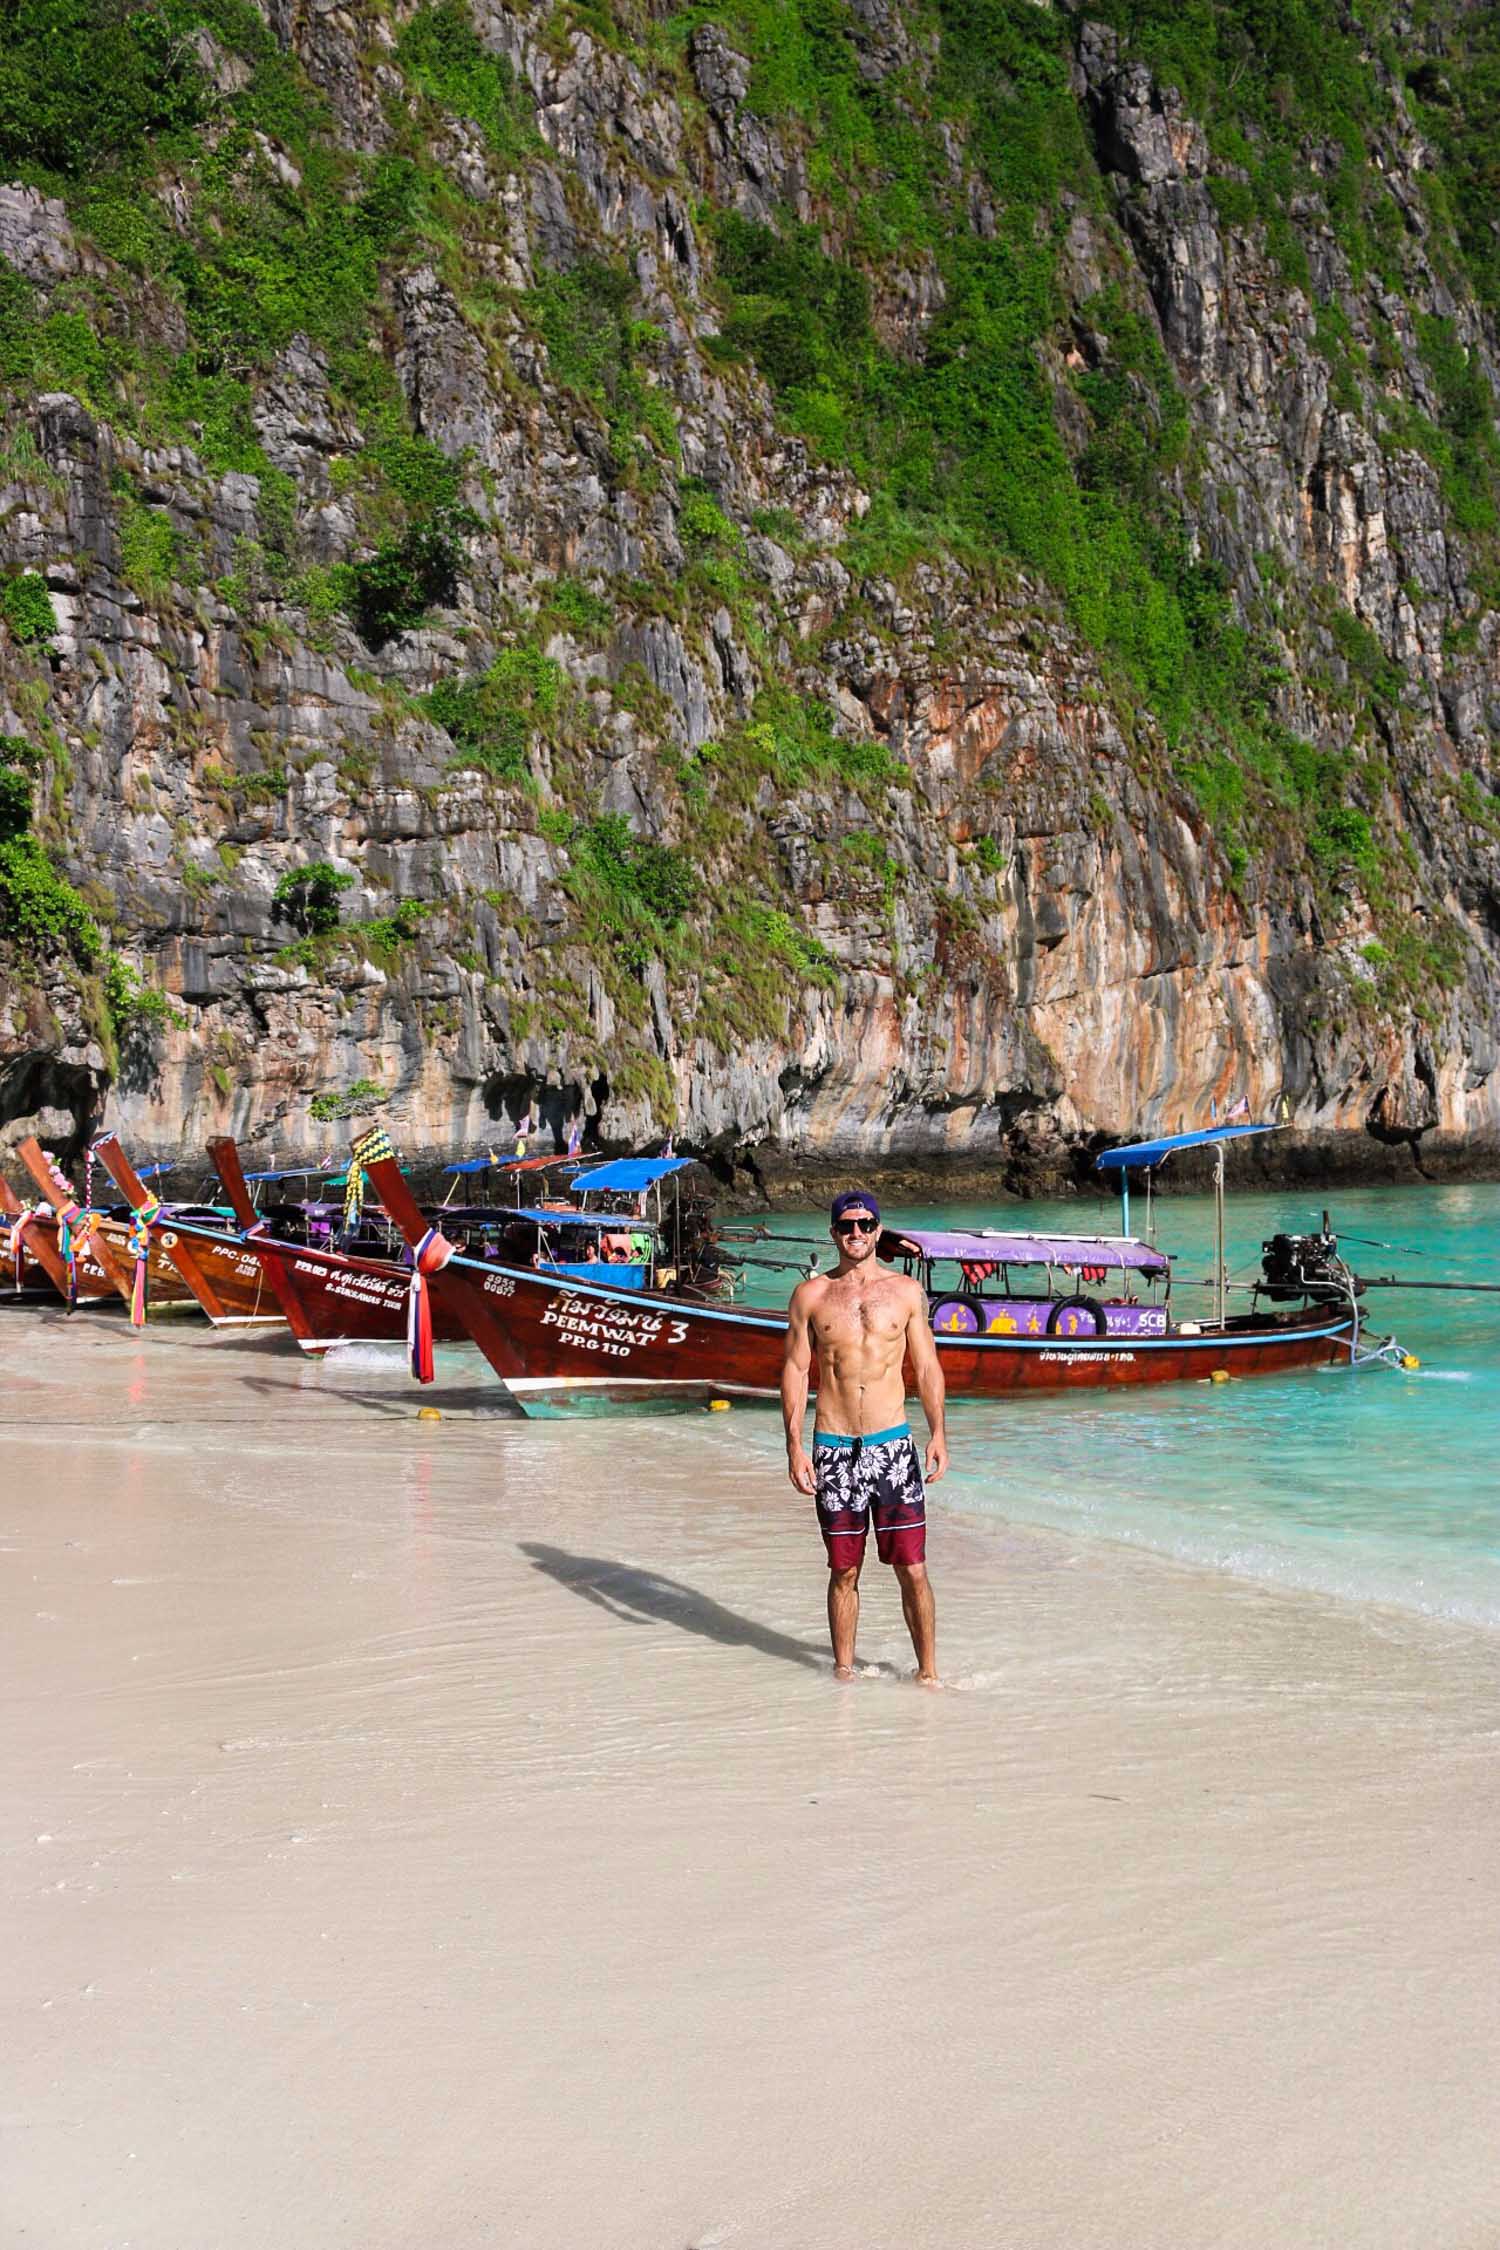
<point>645,1597</point>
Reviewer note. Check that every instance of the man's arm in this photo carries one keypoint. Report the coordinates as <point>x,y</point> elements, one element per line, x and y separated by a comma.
<point>796,1367</point>
<point>928,1370</point>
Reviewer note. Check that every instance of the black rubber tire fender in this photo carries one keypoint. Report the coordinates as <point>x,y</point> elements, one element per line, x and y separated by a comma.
<point>1089,1305</point>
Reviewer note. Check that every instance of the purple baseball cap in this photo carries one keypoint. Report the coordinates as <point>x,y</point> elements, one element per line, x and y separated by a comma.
<point>853,1199</point>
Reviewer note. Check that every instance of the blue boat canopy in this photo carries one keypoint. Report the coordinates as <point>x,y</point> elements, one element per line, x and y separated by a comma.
<point>508,1163</point>
<point>629,1174</point>
<point>544,1219</point>
<point>324,1176</point>
<point>1143,1155</point>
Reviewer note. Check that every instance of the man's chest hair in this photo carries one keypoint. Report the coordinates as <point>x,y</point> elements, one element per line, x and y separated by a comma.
<point>876,1308</point>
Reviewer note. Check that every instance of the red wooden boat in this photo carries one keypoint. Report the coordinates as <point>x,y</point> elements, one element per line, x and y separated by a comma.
<point>327,1297</point>
<point>331,1296</point>
<point>29,1240</point>
<point>225,1277</point>
<point>553,1341</point>
<point>102,1267</point>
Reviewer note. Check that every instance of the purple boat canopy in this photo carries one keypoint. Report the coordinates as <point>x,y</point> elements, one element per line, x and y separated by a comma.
<point>1067,1250</point>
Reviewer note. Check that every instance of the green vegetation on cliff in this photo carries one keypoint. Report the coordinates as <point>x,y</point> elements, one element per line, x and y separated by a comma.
<point>40,912</point>
<point>929,267</point>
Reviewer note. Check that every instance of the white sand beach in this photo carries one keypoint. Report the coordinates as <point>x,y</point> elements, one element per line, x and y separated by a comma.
<point>427,1836</point>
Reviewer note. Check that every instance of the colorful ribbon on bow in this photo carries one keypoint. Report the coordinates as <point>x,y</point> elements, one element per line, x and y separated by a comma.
<point>74,1226</point>
<point>431,1255</point>
<point>138,1247</point>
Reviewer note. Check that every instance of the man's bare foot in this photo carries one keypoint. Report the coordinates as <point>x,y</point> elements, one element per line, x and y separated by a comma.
<point>843,1671</point>
<point>928,1679</point>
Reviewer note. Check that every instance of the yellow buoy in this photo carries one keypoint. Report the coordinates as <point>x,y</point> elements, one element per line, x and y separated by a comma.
<point>429,1414</point>
<point>718,1406</point>
<point>1410,1361</point>
<point>1219,1375</point>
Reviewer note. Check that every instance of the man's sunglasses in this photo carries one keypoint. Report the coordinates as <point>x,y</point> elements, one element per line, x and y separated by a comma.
<point>856,1226</point>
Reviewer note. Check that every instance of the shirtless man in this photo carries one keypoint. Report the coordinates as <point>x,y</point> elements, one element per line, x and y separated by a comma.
<point>862,1320</point>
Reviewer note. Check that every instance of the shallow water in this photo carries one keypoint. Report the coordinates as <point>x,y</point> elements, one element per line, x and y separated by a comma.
<point>1376,1485</point>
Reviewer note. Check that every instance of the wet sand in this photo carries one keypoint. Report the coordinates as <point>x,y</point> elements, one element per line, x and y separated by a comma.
<point>450,1834</point>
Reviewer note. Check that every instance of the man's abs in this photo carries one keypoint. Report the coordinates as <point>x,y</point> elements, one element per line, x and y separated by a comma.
<point>860,1384</point>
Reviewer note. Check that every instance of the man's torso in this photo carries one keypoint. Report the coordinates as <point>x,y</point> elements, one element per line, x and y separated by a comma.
<point>858,1323</point>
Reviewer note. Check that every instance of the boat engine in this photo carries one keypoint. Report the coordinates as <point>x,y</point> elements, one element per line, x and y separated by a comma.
<point>1306,1265</point>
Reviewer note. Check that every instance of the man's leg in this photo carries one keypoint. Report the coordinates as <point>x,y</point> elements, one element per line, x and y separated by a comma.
<point>843,1618</point>
<point>920,1612</point>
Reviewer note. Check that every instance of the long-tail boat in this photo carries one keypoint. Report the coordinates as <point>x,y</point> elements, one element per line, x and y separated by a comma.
<point>101,1253</point>
<point>332,1294</point>
<point>327,1296</point>
<point>554,1341</point>
<point>225,1277</point>
<point>29,1241</point>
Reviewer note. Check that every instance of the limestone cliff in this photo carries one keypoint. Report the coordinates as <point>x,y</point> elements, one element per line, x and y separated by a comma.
<point>839,579</point>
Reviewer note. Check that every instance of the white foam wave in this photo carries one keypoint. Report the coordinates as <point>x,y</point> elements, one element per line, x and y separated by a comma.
<point>355,1358</point>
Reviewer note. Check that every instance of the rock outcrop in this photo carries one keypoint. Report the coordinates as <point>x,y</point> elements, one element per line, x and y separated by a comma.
<point>677,804</point>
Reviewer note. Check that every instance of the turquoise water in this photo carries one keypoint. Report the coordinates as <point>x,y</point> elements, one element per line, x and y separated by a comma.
<point>1375,1485</point>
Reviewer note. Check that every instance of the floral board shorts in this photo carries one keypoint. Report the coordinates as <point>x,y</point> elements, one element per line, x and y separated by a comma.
<point>858,1478</point>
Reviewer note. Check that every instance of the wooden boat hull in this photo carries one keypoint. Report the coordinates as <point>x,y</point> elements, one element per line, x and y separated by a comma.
<point>328,1298</point>
<point>164,1285</point>
<point>105,1266</point>
<point>33,1280</point>
<point>94,1285</point>
<point>561,1344</point>
<point>212,1266</point>
<point>551,1342</point>
<point>220,1272</point>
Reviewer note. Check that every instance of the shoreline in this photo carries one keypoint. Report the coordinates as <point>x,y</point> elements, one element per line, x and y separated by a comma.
<point>465,1812</point>
<point>773,1181</point>
<point>779,1181</point>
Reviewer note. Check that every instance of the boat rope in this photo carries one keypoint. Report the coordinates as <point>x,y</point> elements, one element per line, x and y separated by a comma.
<point>430,1256</point>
